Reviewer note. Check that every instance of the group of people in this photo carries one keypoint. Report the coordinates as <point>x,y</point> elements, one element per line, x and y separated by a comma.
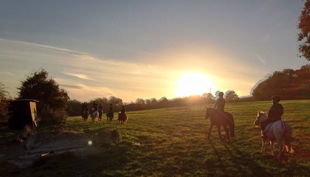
<point>96,112</point>
<point>274,114</point>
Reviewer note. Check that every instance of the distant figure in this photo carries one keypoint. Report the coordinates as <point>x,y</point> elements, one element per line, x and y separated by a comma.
<point>220,103</point>
<point>122,117</point>
<point>275,111</point>
<point>110,113</point>
<point>219,107</point>
<point>85,112</point>
<point>100,111</point>
<point>94,112</point>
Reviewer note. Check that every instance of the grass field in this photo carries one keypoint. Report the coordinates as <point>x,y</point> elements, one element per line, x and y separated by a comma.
<point>172,142</point>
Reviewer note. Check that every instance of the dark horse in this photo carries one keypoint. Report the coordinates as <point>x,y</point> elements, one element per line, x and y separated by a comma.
<point>85,114</point>
<point>218,119</point>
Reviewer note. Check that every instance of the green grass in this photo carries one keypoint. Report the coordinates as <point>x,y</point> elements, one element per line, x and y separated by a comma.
<point>172,142</point>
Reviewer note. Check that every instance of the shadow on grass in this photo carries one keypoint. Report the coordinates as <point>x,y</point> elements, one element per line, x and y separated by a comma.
<point>254,164</point>
<point>111,161</point>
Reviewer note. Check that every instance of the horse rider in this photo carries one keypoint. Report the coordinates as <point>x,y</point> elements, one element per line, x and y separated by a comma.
<point>100,110</point>
<point>275,111</point>
<point>110,112</point>
<point>220,103</point>
<point>94,108</point>
<point>123,111</point>
<point>122,114</point>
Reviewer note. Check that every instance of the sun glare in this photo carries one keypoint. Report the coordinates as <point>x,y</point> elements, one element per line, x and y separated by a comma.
<point>193,84</point>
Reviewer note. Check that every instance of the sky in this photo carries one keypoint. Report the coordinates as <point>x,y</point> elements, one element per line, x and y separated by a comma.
<point>141,49</point>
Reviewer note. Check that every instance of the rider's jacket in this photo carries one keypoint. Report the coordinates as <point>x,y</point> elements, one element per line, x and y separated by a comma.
<point>220,104</point>
<point>275,112</point>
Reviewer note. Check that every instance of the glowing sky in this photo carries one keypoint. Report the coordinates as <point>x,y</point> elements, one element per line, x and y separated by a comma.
<point>139,48</point>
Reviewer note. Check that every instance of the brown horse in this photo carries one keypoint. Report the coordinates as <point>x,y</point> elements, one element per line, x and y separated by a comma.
<point>85,114</point>
<point>224,120</point>
<point>122,117</point>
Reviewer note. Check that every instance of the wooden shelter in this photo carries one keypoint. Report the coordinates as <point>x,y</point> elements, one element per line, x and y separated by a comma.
<point>22,112</point>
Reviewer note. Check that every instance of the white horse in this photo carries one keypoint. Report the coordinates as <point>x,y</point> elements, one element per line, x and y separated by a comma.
<point>94,115</point>
<point>276,132</point>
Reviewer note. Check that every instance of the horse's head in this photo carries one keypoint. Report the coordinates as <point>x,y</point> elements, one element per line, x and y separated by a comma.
<point>261,117</point>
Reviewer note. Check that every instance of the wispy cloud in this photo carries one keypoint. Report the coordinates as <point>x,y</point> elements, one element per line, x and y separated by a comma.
<point>84,76</point>
<point>80,76</point>
<point>70,86</point>
<point>261,59</point>
<point>45,46</point>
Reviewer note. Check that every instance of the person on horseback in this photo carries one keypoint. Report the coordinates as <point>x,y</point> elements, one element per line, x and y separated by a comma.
<point>275,111</point>
<point>94,108</point>
<point>110,113</point>
<point>122,117</point>
<point>100,110</point>
<point>220,103</point>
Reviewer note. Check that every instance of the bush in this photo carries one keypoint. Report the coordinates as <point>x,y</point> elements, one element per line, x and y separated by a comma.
<point>52,99</point>
<point>52,117</point>
<point>4,110</point>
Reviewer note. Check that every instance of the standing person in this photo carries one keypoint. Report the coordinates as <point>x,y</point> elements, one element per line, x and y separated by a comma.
<point>110,113</point>
<point>276,110</point>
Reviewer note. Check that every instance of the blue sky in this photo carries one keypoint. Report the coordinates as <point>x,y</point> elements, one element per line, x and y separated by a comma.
<point>134,48</point>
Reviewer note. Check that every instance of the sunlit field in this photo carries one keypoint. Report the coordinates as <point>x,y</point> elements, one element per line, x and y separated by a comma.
<point>172,142</point>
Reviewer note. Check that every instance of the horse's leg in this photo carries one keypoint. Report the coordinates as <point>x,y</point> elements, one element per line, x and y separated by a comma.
<point>281,149</point>
<point>263,146</point>
<point>272,144</point>
<point>227,133</point>
<point>210,129</point>
<point>219,131</point>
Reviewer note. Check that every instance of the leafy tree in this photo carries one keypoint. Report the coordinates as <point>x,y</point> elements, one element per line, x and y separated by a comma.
<point>231,96</point>
<point>208,97</point>
<point>115,101</point>
<point>304,33</point>
<point>140,101</point>
<point>163,100</point>
<point>3,92</point>
<point>288,84</point>
<point>74,108</point>
<point>52,99</point>
<point>3,102</point>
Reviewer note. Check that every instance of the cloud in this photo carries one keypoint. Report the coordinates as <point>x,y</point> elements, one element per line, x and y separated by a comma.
<point>88,92</point>
<point>80,76</point>
<point>84,76</point>
<point>70,86</point>
<point>69,51</point>
<point>261,59</point>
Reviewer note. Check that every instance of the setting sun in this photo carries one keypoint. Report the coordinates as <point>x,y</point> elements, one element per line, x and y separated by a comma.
<point>193,84</point>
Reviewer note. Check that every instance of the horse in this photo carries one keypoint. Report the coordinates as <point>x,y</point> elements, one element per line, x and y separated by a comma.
<point>122,117</point>
<point>110,115</point>
<point>218,119</point>
<point>100,112</point>
<point>94,115</point>
<point>85,114</point>
<point>276,132</point>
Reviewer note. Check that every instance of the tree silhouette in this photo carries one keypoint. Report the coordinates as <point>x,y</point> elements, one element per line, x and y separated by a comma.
<point>304,33</point>
<point>231,96</point>
<point>51,98</point>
